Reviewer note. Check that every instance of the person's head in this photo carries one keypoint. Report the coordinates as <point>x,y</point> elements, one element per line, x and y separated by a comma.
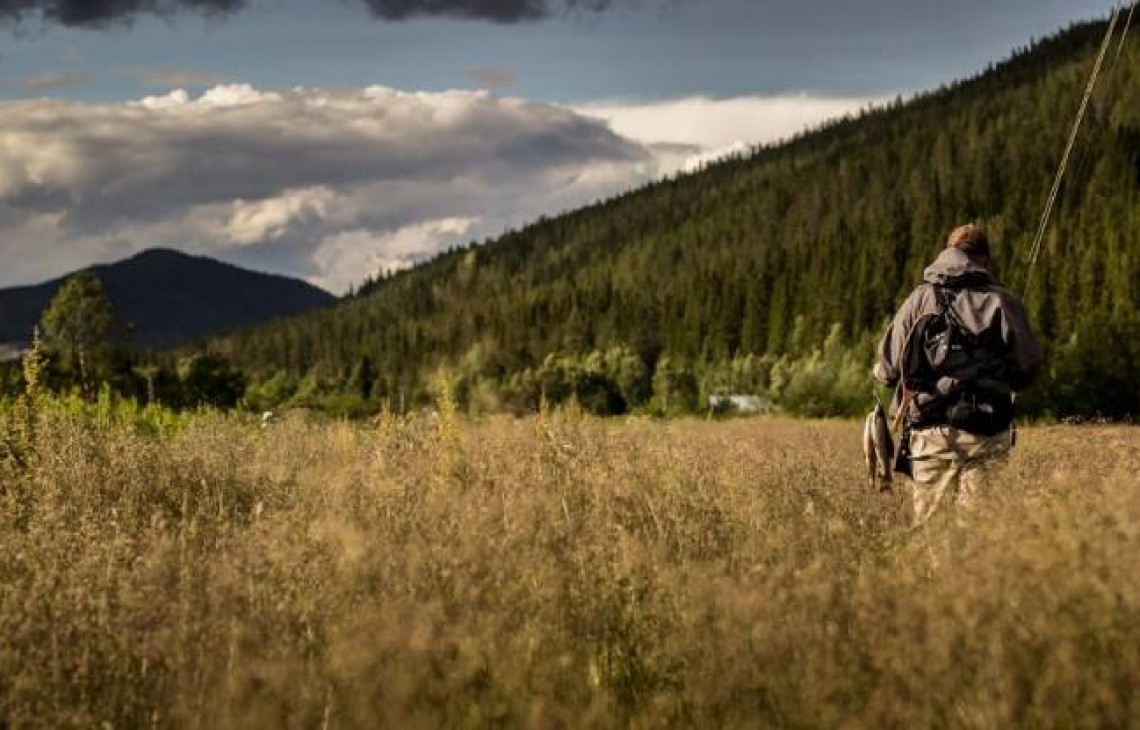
<point>972,241</point>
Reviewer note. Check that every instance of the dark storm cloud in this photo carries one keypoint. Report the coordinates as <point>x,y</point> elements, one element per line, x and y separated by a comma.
<point>96,13</point>
<point>99,13</point>
<point>501,11</point>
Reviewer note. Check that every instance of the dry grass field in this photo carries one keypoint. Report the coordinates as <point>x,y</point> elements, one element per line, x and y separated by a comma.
<point>553,572</point>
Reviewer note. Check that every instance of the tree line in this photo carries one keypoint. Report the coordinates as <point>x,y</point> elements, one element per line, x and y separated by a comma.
<point>790,258</point>
<point>81,347</point>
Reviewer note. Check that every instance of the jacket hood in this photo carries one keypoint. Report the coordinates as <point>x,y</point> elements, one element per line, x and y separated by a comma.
<point>954,268</point>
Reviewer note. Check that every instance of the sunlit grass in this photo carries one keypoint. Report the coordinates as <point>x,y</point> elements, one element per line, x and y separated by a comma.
<point>555,571</point>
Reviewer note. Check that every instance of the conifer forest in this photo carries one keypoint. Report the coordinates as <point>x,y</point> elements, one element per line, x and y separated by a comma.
<point>774,272</point>
<point>771,273</point>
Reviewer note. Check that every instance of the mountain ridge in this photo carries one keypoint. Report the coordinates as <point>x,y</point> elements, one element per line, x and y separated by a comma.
<point>169,298</point>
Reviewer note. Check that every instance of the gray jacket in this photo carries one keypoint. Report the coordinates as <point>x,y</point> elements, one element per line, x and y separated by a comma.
<point>982,303</point>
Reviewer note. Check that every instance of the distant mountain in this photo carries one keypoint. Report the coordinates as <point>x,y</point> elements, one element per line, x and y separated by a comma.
<point>171,298</point>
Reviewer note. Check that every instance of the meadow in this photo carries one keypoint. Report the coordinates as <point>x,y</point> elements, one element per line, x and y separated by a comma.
<point>553,571</point>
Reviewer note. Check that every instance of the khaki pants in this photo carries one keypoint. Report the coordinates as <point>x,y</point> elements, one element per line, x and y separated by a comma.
<point>950,464</point>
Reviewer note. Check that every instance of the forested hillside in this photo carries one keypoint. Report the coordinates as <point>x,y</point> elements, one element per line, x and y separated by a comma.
<point>772,272</point>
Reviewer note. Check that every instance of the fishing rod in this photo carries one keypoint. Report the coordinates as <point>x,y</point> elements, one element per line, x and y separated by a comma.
<point>1114,19</point>
<point>876,424</point>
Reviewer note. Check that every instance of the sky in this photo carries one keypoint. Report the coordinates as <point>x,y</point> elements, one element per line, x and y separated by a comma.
<point>332,139</point>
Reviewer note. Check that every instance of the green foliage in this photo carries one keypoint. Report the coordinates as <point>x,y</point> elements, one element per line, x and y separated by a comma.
<point>830,380</point>
<point>158,384</point>
<point>209,380</point>
<point>675,388</point>
<point>747,374</point>
<point>763,255</point>
<point>628,372</point>
<point>82,333</point>
<point>1094,372</point>
<point>270,393</point>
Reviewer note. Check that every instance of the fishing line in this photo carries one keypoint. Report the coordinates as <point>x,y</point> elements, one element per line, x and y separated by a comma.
<point>1127,25</point>
<point>1035,251</point>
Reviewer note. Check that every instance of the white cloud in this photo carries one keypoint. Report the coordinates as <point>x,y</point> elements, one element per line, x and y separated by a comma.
<point>702,159</point>
<point>258,221</point>
<point>171,100</point>
<point>333,185</point>
<point>303,179</point>
<point>216,97</point>
<point>235,95</point>
<point>352,255</point>
<point>712,124</point>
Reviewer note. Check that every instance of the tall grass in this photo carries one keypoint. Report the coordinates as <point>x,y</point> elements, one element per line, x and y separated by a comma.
<point>556,571</point>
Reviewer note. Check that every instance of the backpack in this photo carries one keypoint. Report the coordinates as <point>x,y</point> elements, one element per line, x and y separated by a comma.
<point>957,377</point>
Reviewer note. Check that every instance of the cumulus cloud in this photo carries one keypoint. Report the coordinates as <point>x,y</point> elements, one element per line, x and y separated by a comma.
<point>343,256</point>
<point>330,185</point>
<point>334,185</point>
<point>270,219</point>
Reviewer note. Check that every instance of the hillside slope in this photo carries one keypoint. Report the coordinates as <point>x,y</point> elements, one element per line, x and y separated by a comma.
<point>171,298</point>
<point>768,253</point>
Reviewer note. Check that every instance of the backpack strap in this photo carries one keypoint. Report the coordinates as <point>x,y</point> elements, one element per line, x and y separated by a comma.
<point>946,296</point>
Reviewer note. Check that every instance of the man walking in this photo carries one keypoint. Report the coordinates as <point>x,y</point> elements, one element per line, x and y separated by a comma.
<point>961,345</point>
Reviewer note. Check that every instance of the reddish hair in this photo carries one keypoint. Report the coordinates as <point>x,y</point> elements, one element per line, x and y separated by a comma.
<point>970,240</point>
